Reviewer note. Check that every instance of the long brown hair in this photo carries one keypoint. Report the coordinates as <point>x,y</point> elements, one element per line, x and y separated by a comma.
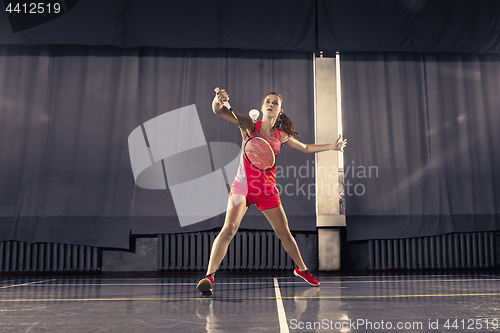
<point>283,122</point>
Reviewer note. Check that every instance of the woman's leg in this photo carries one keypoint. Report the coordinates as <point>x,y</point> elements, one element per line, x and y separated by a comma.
<point>277,218</point>
<point>236,209</point>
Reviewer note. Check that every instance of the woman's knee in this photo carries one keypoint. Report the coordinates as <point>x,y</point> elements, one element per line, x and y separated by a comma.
<point>229,231</point>
<point>285,236</point>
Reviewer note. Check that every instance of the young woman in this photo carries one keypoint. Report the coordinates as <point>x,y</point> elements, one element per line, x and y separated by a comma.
<point>252,186</point>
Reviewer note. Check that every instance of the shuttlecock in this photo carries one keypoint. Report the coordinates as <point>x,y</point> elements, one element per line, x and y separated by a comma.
<point>254,114</point>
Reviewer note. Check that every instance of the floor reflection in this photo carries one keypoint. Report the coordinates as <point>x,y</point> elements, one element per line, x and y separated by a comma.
<point>245,303</point>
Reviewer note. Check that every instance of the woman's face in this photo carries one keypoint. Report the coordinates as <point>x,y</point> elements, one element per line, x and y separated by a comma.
<point>271,106</point>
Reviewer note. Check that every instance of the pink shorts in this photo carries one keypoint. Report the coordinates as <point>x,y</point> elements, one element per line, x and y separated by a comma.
<point>262,199</point>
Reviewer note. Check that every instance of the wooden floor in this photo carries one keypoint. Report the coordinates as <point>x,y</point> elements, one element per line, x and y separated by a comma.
<point>252,302</point>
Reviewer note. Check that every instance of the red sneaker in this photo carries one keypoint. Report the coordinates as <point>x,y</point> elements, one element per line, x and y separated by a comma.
<point>306,276</point>
<point>205,285</point>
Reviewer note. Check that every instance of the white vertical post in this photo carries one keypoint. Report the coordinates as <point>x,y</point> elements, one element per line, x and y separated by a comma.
<point>339,108</point>
<point>327,126</point>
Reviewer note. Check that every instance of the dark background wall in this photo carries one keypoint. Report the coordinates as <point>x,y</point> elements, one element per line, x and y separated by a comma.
<point>419,94</point>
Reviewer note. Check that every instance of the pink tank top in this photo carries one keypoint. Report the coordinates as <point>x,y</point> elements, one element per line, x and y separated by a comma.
<point>258,180</point>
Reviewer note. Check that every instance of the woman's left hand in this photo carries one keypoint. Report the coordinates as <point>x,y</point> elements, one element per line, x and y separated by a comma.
<point>339,145</point>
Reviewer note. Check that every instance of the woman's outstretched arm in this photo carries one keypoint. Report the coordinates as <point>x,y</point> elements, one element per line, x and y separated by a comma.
<point>315,148</point>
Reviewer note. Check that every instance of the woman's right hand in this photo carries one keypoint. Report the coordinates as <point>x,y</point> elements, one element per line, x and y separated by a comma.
<point>219,99</point>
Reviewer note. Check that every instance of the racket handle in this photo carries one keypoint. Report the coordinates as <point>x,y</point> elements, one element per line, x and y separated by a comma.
<point>227,106</point>
<point>225,103</point>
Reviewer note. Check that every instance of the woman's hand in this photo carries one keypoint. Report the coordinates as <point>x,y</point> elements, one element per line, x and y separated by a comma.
<point>339,145</point>
<point>219,99</point>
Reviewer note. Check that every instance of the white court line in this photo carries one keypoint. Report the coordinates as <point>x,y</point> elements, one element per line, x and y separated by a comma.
<point>281,309</point>
<point>398,281</point>
<point>144,284</point>
<point>25,284</point>
<point>255,283</point>
<point>347,278</point>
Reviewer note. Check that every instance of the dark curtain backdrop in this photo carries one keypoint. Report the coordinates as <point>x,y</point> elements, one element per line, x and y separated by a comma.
<point>456,26</point>
<point>259,24</point>
<point>66,113</point>
<point>423,143</point>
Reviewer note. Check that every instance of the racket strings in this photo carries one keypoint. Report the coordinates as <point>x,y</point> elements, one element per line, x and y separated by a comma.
<point>259,153</point>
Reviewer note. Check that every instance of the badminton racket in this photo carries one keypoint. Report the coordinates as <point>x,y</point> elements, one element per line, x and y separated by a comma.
<point>257,151</point>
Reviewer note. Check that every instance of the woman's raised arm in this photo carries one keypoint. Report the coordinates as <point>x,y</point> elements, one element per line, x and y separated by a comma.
<point>221,111</point>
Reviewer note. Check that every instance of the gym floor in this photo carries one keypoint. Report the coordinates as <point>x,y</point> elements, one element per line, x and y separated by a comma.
<point>251,302</point>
